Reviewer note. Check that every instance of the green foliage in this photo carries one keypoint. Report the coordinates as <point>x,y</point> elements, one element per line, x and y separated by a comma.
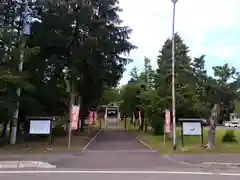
<point>229,136</point>
<point>134,74</point>
<point>58,127</point>
<point>130,99</point>
<point>110,95</point>
<point>158,123</point>
<point>237,108</point>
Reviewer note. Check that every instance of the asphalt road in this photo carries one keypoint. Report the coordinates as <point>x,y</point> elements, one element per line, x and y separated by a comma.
<point>121,176</point>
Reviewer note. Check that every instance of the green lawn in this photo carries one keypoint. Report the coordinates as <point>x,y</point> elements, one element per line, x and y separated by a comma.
<point>191,144</point>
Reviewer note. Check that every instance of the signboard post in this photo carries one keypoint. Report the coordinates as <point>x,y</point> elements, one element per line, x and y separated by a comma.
<point>73,122</point>
<point>167,124</point>
<point>40,126</point>
<point>191,127</point>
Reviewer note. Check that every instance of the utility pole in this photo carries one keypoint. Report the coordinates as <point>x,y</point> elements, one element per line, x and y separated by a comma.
<point>25,32</point>
<point>173,78</point>
<point>146,78</point>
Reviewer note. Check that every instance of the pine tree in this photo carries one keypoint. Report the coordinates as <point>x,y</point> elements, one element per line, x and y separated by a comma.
<point>183,74</point>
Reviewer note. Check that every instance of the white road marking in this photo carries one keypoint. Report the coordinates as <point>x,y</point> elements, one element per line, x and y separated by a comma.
<point>123,172</point>
<point>85,147</point>
<point>25,164</point>
<point>145,144</point>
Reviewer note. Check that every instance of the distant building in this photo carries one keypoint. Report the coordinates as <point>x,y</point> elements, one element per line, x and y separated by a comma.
<point>234,117</point>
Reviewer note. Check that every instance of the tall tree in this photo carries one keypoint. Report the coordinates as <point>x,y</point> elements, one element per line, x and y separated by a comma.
<point>11,25</point>
<point>183,73</point>
<point>226,94</point>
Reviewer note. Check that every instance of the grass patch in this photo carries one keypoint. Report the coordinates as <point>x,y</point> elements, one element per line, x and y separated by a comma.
<point>60,144</point>
<point>192,144</point>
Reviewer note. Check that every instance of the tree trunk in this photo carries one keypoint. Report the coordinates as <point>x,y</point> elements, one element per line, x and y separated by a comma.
<point>146,124</point>
<point>142,124</point>
<point>211,136</point>
<point>212,129</point>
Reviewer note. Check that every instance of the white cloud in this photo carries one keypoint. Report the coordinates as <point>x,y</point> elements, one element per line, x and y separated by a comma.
<point>151,22</point>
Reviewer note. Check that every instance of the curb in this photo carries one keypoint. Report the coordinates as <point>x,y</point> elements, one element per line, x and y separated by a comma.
<point>25,164</point>
<point>221,164</point>
<point>205,164</point>
<point>181,162</point>
<point>145,144</point>
<point>90,142</point>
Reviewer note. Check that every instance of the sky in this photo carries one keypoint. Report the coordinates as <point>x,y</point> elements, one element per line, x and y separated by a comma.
<point>209,27</point>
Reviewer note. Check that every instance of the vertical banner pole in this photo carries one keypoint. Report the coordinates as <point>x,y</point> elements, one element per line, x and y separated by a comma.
<point>88,129</point>
<point>125,123</point>
<point>51,135</point>
<point>70,127</point>
<point>164,139</point>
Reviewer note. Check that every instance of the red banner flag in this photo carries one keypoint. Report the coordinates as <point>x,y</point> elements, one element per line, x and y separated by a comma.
<point>167,124</point>
<point>91,117</point>
<point>74,117</point>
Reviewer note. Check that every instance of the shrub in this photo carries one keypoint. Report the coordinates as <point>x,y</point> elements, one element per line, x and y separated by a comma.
<point>158,124</point>
<point>58,131</point>
<point>229,136</point>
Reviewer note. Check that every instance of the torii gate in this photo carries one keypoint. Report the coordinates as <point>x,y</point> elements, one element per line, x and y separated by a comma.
<point>112,115</point>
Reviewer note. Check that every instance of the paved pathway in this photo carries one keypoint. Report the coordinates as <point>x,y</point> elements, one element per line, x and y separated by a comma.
<point>119,149</point>
<point>116,139</point>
